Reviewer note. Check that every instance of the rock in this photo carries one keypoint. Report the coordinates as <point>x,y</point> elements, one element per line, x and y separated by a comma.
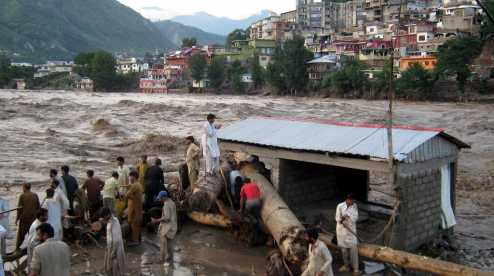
<point>444,244</point>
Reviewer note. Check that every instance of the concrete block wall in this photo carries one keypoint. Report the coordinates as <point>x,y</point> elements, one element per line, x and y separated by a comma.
<point>422,196</point>
<point>306,182</point>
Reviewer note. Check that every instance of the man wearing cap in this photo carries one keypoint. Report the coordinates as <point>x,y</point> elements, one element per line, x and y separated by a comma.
<point>168,226</point>
<point>346,219</point>
<point>212,150</point>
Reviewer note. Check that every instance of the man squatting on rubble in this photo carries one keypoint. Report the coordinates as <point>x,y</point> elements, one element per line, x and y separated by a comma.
<point>250,201</point>
<point>319,257</point>
<point>346,218</point>
<point>168,226</point>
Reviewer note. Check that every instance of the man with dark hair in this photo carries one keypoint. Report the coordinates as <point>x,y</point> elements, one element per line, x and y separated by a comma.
<point>236,185</point>
<point>25,216</point>
<point>64,204</point>
<point>192,160</point>
<point>319,257</point>
<point>346,220</point>
<point>54,213</point>
<point>123,177</point>
<point>134,206</point>
<point>50,257</point>
<point>93,187</point>
<point>114,261</point>
<point>168,226</point>
<point>109,192</point>
<point>211,145</point>
<point>155,183</point>
<point>141,168</point>
<point>71,185</point>
<point>54,175</point>
<point>250,201</point>
<point>30,242</point>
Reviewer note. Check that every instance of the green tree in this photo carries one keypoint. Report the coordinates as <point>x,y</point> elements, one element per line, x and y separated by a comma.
<point>348,78</point>
<point>274,76</point>
<point>4,71</point>
<point>381,78</point>
<point>453,58</point>
<point>216,71</point>
<point>197,66</point>
<point>237,34</point>
<point>103,70</point>
<point>235,69</point>
<point>415,80</point>
<point>237,84</point>
<point>256,70</point>
<point>83,64</point>
<point>189,42</point>
<point>294,58</point>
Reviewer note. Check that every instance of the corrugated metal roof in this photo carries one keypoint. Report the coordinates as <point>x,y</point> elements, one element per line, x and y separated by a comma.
<point>311,135</point>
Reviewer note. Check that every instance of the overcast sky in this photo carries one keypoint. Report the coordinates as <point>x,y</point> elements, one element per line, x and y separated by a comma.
<point>234,9</point>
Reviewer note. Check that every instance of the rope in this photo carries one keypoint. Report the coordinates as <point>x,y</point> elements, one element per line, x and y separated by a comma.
<point>391,220</point>
<point>279,208</point>
<point>289,271</point>
<point>226,187</point>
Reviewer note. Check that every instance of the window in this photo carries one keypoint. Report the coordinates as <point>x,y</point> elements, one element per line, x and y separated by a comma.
<point>426,63</point>
<point>371,30</point>
<point>421,37</point>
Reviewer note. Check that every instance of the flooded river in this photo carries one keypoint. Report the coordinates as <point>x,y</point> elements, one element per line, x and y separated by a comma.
<point>41,130</point>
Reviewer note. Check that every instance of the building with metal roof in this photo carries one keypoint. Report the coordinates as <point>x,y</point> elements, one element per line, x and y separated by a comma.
<point>332,159</point>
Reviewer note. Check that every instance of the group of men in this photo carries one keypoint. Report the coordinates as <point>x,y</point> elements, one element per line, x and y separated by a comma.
<point>346,233</point>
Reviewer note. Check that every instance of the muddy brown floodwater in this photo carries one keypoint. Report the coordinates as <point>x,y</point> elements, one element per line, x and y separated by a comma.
<point>41,130</point>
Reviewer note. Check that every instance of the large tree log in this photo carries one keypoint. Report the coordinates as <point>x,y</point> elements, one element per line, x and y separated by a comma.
<point>279,219</point>
<point>216,220</point>
<point>208,189</point>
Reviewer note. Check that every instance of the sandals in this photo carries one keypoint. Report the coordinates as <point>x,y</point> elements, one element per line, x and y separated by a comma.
<point>343,268</point>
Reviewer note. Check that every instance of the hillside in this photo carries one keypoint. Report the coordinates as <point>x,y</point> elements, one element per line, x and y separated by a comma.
<point>216,25</point>
<point>176,31</point>
<point>42,30</point>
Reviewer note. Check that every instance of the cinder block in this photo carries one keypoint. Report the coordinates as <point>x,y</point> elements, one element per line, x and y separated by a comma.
<point>421,173</point>
<point>419,181</point>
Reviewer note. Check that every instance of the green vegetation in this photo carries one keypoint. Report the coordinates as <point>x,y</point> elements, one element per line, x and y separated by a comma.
<point>9,73</point>
<point>176,32</point>
<point>256,70</point>
<point>415,81</point>
<point>453,58</point>
<point>382,78</point>
<point>292,61</point>
<point>350,78</point>
<point>237,34</point>
<point>188,42</point>
<point>57,29</point>
<point>197,66</point>
<point>274,76</point>
<point>216,71</point>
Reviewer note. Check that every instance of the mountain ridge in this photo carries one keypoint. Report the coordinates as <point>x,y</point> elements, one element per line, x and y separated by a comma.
<point>177,31</point>
<point>40,30</point>
<point>218,25</point>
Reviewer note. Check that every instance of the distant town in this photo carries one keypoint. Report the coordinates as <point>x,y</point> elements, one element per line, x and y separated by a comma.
<point>365,30</point>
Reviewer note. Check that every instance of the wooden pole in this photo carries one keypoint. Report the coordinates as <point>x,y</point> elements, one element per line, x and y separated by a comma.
<point>215,220</point>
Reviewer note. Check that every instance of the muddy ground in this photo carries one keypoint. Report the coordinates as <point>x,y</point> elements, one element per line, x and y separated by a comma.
<point>41,130</point>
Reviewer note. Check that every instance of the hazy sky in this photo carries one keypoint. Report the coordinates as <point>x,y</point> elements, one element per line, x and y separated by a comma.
<point>234,9</point>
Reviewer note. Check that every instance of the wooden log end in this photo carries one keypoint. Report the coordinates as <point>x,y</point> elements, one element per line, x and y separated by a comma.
<point>200,201</point>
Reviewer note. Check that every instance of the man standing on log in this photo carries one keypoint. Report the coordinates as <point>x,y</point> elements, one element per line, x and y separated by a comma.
<point>346,220</point>
<point>319,257</point>
<point>123,177</point>
<point>212,150</point>
<point>155,183</point>
<point>71,185</point>
<point>114,261</point>
<point>93,187</point>
<point>134,206</point>
<point>192,160</point>
<point>168,226</point>
<point>25,216</point>
<point>141,168</point>
<point>250,198</point>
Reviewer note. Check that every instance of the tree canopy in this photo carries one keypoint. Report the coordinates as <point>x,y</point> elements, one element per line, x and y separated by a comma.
<point>453,58</point>
<point>216,71</point>
<point>256,70</point>
<point>415,80</point>
<point>189,42</point>
<point>237,34</point>
<point>8,73</point>
<point>197,66</point>
<point>103,70</point>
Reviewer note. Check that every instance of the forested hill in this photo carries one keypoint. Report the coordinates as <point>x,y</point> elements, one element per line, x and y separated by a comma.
<point>176,31</point>
<point>42,30</point>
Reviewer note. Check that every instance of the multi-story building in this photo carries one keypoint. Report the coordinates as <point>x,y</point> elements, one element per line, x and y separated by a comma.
<point>267,25</point>
<point>160,78</point>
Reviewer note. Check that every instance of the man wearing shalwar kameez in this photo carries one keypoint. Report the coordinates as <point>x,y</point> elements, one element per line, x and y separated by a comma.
<point>346,218</point>
<point>4,221</point>
<point>114,261</point>
<point>31,240</point>
<point>212,150</point>
<point>192,160</point>
<point>319,257</point>
<point>141,168</point>
<point>134,206</point>
<point>25,216</point>
<point>64,204</point>
<point>168,226</point>
<point>54,214</point>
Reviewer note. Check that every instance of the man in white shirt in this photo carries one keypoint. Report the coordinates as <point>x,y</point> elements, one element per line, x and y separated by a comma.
<point>123,177</point>
<point>50,257</point>
<point>319,257</point>
<point>30,241</point>
<point>346,220</point>
<point>54,214</point>
<point>212,150</point>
